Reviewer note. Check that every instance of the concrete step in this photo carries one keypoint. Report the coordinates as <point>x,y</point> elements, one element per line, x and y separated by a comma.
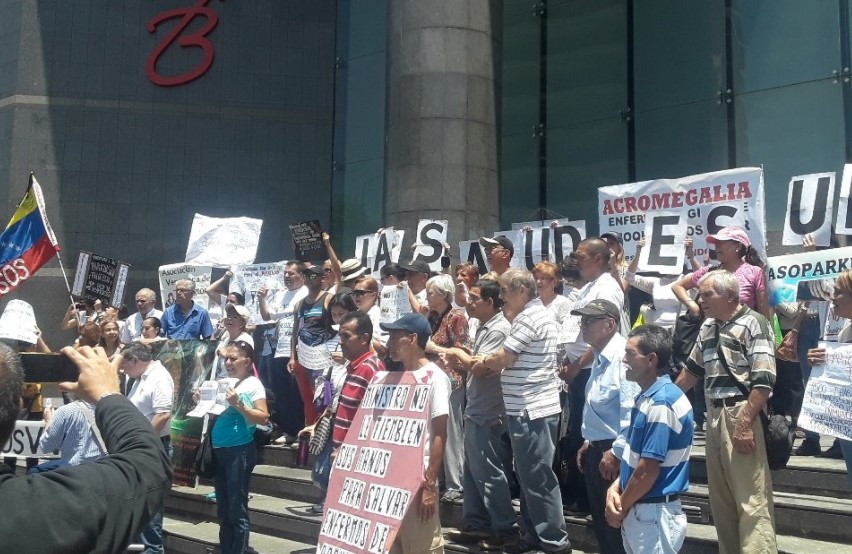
<point>187,537</point>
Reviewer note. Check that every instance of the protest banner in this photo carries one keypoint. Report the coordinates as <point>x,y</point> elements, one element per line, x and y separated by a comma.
<point>190,363</point>
<point>223,241</point>
<point>394,302</point>
<point>379,249</point>
<point>843,225</point>
<point>23,443</point>
<point>810,200</point>
<point>472,252</point>
<point>18,322</point>
<point>429,245</point>
<point>709,202</point>
<point>100,278</point>
<point>379,468</point>
<point>551,243</point>
<point>784,273</point>
<point>248,279</point>
<point>307,240</point>
<point>827,406</point>
<point>665,232</point>
<point>172,273</point>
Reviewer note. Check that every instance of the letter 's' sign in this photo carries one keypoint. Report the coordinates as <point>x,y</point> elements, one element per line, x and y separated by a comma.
<point>196,38</point>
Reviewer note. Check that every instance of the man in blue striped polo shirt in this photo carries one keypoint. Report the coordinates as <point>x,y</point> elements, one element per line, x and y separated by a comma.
<point>655,462</point>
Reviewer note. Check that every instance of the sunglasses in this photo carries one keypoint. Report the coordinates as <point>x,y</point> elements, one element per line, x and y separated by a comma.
<point>589,320</point>
<point>360,292</point>
<point>310,276</point>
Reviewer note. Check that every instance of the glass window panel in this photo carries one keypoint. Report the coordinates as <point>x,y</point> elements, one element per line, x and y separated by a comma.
<point>519,178</point>
<point>781,42</point>
<point>521,65</point>
<point>679,52</point>
<point>792,131</point>
<point>586,61</point>
<point>681,140</point>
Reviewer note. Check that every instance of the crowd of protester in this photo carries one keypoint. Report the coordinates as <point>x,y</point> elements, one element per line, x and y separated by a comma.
<point>549,388</point>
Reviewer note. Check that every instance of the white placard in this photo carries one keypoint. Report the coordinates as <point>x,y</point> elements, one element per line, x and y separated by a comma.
<point>18,322</point>
<point>709,202</point>
<point>551,243</point>
<point>248,279</point>
<point>172,273</point>
<point>24,441</point>
<point>843,225</point>
<point>429,244</point>
<point>379,249</point>
<point>223,241</point>
<point>665,232</point>
<point>473,252</point>
<point>827,408</point>
<point>394,303</point>
<point>784,273</point>
<point>810,203</point>
<point>208,390</point>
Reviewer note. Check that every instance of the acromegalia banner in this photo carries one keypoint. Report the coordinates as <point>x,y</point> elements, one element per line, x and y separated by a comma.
<point>709,201</point>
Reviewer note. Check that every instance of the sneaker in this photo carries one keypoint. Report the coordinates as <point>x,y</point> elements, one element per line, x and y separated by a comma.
<point>317,508</point>
<point>467,536</point>
<point>576,509</point>
<point>520,547</point>
<point>285,439</point>
<point>452,496</point>
<point>833,452</point>
<point>495,543</point>
<point>809,447</point>
<point>211,497</point>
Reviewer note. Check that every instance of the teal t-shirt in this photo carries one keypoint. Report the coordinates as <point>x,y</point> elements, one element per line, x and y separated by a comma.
<point>231,428</point>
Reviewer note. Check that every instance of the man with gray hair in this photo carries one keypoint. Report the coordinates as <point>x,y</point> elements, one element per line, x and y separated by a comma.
<point>735,350</point>
<point>185,319</point>
<point>531,396</point>
<point>146,306</point>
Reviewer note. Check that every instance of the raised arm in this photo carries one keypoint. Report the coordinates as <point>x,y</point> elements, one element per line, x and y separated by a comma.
<point>332,259</point>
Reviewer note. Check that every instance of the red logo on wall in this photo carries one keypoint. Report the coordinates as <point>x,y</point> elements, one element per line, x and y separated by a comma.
<point>195,39</point>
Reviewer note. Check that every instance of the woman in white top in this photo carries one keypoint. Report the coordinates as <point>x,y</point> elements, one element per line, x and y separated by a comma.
<point>236,320</point>
<point>665,306</point>
<point>547,282</point>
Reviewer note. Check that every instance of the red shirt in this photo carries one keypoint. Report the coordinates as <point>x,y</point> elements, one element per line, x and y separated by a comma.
<point>358,377</point>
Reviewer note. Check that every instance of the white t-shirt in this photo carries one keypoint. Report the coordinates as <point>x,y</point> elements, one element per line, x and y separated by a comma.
<point>666,304</point>
<point>281,309</point>
<point>221,371</point>
<point>153,393</point>
<point>561,308</point>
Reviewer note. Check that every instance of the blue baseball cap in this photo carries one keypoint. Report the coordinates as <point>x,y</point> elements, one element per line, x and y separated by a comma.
<point>413,323</point>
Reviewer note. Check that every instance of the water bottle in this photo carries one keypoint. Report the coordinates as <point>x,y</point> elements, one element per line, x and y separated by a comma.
<point>302,456</point>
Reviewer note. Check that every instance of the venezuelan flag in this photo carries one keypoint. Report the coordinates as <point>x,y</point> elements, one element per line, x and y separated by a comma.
<point>28,241</point>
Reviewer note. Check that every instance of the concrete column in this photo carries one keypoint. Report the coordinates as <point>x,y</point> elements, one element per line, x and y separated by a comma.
<point>441,152</point>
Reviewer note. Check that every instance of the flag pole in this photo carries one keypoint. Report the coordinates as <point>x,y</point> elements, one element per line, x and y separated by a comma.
<point>67,284</point>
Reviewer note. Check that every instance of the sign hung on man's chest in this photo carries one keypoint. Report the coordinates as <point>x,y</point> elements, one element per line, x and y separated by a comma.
<point>100,278</point>
<point>378,470</point>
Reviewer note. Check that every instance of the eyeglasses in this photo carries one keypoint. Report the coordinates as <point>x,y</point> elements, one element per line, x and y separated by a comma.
<point>585,321</point>
<point>182,291</point>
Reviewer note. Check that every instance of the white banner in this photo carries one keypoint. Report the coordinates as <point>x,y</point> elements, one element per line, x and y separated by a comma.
<point>473,252</point>
<point>551,243</point>
<point>784,273</point>
<point>248,279</point>
<point>810,203</point>
<point>665,232</point>
<point>18,322</point>
<point>843,226</point>
<point>709,201</point>
<point>827,407</point>
<point>172,273</point>
<point>394,302</point>
<point>223,241</point>
<point>379,249</point>
<point>24,441</point>
<point>429,245</point>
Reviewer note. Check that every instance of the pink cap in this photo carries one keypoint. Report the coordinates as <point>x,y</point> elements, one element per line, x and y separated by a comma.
<point>730,233</point>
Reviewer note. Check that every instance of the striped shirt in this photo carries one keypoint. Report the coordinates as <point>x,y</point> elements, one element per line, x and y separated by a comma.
<point>748,344</point>
<point>360,374</point>
<point>70,432</point>
<point>531,385</point>
<point>660,429</point>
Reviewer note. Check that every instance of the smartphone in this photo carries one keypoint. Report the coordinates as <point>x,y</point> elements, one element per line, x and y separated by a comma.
<point>48,368</point>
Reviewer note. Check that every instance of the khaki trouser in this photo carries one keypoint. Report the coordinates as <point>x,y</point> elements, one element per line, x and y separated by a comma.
<point>740,486</point>
<point>416,537</point>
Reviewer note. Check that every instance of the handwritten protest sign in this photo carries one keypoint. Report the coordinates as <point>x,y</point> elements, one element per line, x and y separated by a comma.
<point>18,322</point>
<point>783,273</point>
<point>379,468</point>
<point>24,441</point>
<point>665,232</point>
<point>827,407</point>
<point>394,302</point>
<point>248,279</point>
<point>172,273</point>
<point>709,202</point>
<point>307,240</point>
<point>810,200</point>
<point>429,246</point>
<point>223,241</point>
<point>100,278</point>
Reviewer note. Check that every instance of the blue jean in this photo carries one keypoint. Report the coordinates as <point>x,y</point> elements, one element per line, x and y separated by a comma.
<point>152,534</point>
<point>44,467</point>
<point>234,465</point>
<point>322,467</point>
<point>846,448</point>
<point>487,501</point>
<point>654,528</point>
<point>533,442</point>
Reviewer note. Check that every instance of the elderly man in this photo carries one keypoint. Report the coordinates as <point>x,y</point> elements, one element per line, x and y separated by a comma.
<point>606,415</point>
<point>185,319</point>
<point>735,344</point>
<point>655,467</point>
<point>488,513</point>
<point>499,251</point>
<point>531,396</point>
<point>146,306</point>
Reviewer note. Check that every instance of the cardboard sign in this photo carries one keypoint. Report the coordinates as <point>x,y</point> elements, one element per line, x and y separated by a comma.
<point>24,441</point>
<point>18,322</point>
<point>843,225</point>
<point>665,232</point>
<point>223,241</point>
<point>248,279</point>
<point>810,200</point>
<point>307,240</point>
<point>784,273</point>
<point>172,273</point>
<point>100,278</point>
<point>379,249</point>
<point>708,201</point>
<point>473,252</point>
<point>429,245</point>
<point>379,468</point>
<point>827,408</point>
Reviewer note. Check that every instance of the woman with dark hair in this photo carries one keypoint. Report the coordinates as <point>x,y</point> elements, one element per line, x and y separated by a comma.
<point>391,274</point>
<point>151,327</point>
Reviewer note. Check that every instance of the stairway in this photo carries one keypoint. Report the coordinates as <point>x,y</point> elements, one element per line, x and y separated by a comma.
<point>813,510</point>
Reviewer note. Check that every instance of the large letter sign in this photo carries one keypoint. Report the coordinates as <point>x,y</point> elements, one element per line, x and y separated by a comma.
<point>809,207</point>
